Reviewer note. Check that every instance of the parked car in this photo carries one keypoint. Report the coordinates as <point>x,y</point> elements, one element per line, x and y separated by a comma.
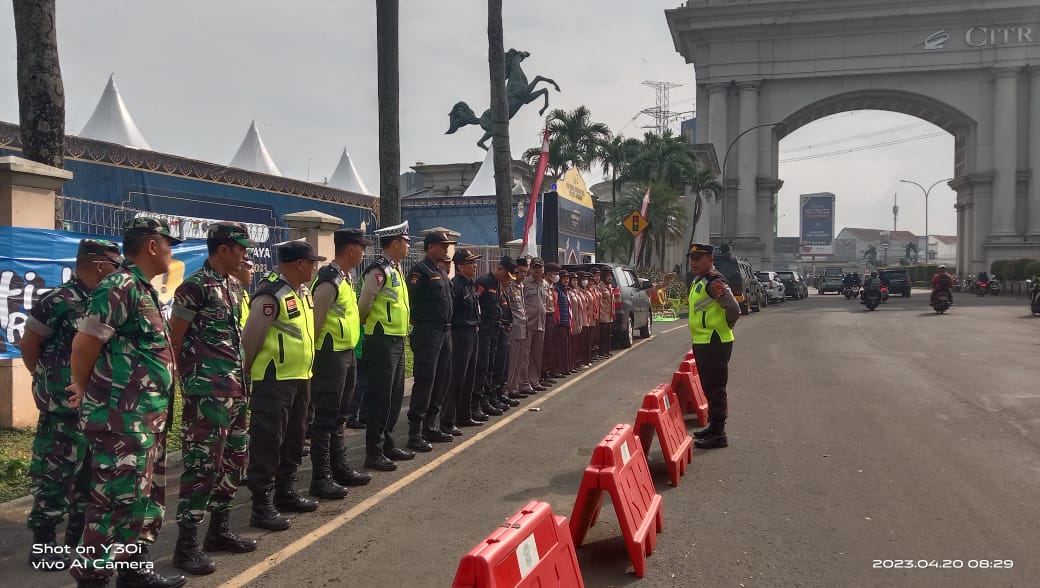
<point>794,285</point>
<point>772,284</point>
<point>897,280</point>
<point>632,308</point>
<point>742,280</point>
<point>833,280</point>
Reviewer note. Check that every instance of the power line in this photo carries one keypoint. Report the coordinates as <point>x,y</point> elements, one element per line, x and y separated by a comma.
<point>862,148</point>
<point>855,137</point>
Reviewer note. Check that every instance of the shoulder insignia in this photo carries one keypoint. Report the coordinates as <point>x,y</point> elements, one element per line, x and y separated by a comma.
<point>414,278</point>
<point>380,278</point>
<point>268,310</point>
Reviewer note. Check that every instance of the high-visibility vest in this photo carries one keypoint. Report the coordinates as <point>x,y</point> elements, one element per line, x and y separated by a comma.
<point>343,322</point>
<point>390,307</point>
<point>289,343</point>
<point>245,308</point>
<point>707,316</point>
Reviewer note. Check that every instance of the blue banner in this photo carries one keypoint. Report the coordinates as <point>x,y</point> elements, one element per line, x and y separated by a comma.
<point>34,261</point>
<point>817,224</point>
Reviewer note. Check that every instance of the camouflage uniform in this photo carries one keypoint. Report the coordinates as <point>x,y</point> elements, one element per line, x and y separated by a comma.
<point>59,449</point>
<point>124,411</point>
<point>214,417</point>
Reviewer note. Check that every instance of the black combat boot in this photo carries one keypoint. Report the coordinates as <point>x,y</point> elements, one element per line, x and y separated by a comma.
<point>287,498</point>
<point>322,484</point>
<point>264,514</point>
<point>219,537</point>
<point>51,561</point>
<point>703,432</point>
<point>341,470</point>
<point>188,556</point>
<point>486,409</point>
<point>143,577</point>
<point>415,439</point>
<point>433,434</point>
<point>716,438</point>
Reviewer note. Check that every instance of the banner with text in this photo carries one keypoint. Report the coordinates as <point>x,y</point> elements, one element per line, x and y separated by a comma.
<point>817,224</point>
<point>34,261</point>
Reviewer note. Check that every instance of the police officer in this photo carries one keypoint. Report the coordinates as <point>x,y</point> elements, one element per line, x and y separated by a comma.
<point>122,382</point>
<point>713,313</point>
<point>206,337</point>
<point>59,472</point>
<point>429,293</point>
<point>465,322</point>
<point>385,309</point>
<point>519,344</point>
<point>338,324</point>
<point>278,341</point>
<point>492,301</point>
<point>536,293</point>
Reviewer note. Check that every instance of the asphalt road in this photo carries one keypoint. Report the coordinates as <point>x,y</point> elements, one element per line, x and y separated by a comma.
<point>858,440</point>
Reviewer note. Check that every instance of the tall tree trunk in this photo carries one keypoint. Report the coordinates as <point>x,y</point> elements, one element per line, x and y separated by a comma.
<point>500,124</point>
<point>389,92</point>
<point>613,186</point>
<point>41,94</point>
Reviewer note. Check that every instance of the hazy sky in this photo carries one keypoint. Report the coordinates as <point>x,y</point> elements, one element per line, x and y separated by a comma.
<point>195,73</point>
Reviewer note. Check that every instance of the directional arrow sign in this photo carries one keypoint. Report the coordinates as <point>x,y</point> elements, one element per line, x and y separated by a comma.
<point>635,223</point>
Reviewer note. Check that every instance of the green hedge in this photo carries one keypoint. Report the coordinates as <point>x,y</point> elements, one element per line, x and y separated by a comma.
<point>1032,269</point>
<point>1015,269</point>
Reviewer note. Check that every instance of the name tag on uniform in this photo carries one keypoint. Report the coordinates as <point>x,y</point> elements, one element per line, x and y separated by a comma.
<point>292,308</point>
<point>394,281</point>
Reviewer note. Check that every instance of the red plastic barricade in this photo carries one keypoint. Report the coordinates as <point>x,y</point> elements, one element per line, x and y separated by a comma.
<point>618,467</point>
<point>689,355</point>
<point>661,413</point>
<point>531,549</point>
<point>687,386</point>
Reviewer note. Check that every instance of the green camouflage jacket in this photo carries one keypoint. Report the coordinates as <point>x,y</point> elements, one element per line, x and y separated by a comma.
<point>56,318</point>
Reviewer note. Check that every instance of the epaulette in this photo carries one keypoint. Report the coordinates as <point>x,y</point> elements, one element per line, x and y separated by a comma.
<point>381,262</point>
<point>278,288</point>
<point>329,274</point>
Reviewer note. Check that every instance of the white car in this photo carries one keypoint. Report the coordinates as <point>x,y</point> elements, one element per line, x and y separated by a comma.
<point>772,285</point>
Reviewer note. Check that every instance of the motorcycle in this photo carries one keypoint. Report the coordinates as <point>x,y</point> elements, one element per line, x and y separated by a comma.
<point>1034,297</point>
<point>871,298</point>
<point>942,302</point>
<point>884,294</point>
<point>981,288</point>
<point>994,287</point>
<point>851,292</point>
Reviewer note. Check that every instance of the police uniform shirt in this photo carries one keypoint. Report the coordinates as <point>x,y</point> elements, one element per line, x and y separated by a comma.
<point>262,314</point>
<point>465,307</point>
<point>490,297</point>
<point>325,294</point>
<point>429,293</point>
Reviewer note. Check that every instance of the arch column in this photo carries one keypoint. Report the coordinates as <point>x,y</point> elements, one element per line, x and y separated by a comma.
<point>747,174</point>
<point>718,135</point>
<point>1005,151</point>
<point>1033,226</point>
<point>974,195</point>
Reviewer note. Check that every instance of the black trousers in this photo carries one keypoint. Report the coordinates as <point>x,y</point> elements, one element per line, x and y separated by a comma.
<point>501,362</point>
<point>278,419</point>
<point>431,368</point>
<point>487,348</point>
<point>713,365</point>
<point>332,390</point>
<point>458,398</point>
<point>383,361</point>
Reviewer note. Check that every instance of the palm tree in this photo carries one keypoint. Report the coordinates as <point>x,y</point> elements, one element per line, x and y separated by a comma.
<point>614,156</point>
<point>557,162</point>
<point>41,93</point>
<point>662,158</point>
<point>578,136</point>
<point>389,94</point>
<point>500,124</point>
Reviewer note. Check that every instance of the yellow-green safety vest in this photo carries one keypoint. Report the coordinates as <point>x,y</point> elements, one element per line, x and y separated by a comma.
<point>245,308</point>
<point>390,307</point>
<point>707,316</point>
<point>289,344</point>
<point>343,322</point>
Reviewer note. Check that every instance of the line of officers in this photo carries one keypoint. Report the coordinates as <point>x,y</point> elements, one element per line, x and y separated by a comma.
<point>257,372</point>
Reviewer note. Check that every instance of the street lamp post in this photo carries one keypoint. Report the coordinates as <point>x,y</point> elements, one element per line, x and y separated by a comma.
<point>926,193</point>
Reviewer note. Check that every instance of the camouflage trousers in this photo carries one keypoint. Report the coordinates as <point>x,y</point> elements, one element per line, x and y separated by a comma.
<point>59,472</point>
<point>127,498</point>
<point>214,445</point>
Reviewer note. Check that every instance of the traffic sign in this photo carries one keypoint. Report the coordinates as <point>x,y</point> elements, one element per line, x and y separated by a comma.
<point>636,223</point>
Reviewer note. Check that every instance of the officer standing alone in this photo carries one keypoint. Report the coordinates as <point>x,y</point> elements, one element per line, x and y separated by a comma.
<point>385,309</point>
<point>429,294</point>
<point>713,313</point>
<point>278,342</point>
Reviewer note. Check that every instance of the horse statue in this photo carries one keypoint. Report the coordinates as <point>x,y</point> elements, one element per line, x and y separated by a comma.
<point>518,93</point>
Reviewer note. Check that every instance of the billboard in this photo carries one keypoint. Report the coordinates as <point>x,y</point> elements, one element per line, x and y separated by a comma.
<point>574,225</point>
<point>817,224</point>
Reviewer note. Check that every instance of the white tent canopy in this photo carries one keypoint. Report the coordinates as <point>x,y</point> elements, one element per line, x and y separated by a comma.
<point>346,176</point>
<point>252,155</point>
<point>111,121</point>
<point>483,183</point>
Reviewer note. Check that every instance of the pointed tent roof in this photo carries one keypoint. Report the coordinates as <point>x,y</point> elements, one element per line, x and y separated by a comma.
<point>112,122</point>
<point>483,183</point>
<point>252,155</point>
<point>346,176</point>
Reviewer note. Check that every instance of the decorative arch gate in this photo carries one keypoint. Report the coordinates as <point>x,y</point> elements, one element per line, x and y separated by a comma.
<point>970,68</point>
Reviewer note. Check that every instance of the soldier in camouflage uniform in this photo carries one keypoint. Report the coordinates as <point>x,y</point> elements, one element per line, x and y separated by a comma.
<point>206,337</point>
<point>60,480</point>
<point>122,373</point>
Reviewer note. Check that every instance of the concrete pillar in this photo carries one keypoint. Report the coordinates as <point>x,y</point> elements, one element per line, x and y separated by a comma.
<point>718,135</point>
<point>27,195</point>
<point>316,228</point>
<point>766,197</point>
<point>747,148</point>
<point>1005,151</point>
<point>1033,226</point>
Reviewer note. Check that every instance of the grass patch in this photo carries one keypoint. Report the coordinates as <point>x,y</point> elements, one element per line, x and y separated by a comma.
<point>15,453</point>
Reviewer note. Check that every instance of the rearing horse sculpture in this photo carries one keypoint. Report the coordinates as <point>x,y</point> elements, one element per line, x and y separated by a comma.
<point>518,93</point>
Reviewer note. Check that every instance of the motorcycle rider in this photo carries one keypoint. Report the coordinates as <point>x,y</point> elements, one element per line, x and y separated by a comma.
<point>873,283</point>
<point>942,282</point>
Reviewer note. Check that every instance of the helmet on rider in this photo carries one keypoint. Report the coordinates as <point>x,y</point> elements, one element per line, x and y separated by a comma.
<point>873,274</point>
<point>942,267</point>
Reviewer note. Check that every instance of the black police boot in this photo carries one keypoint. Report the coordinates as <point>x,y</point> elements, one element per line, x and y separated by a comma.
<point>219,537</point>
<point>287,498</point>
<point>264,514</point>
<point>380,462</point>
<point>188,556</point>
<point>416,441</point>
<point>716,438</point>
<point>346,475</point>
<point>703,432</point>
<point>487,409</point>
<point>43,537</point>
<point>322,484</point>
<point>507,401</point>
<point>144,577</point>
<point>434,435</point>
<point>470,422</point>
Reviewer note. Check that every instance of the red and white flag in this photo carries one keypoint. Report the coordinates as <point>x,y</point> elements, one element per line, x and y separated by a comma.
<point>639,237</point>
<point>530,246</point>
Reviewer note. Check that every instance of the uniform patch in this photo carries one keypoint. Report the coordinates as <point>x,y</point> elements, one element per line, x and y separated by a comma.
<point>394,282</point>
<point>268,310</point>
<point>380,278</point>
<point>414,279</point>
<point>479,290</point>
<point>292,307</point>
<point>435,278</point>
